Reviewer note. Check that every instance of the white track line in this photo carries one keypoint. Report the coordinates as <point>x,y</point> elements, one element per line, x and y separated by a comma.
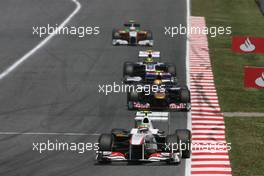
<point>42,43</point>
<point>187,66</point>
<point>47,133</point>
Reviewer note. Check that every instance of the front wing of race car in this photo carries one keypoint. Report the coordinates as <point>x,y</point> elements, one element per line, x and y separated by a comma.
<point>155,157</point>
<point>128,42</point>
<point>146,42</point>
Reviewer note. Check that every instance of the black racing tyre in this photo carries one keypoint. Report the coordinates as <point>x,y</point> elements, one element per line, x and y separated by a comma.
<point>105,142</point>
<point>171,68</point>
<point>184,136</point>
<point>133,96</point>
<point>184,95</point>
<point>172,141</point>
<point>115,34</point>
<point>128,69</point>
<point>149,35</point>
<point>130,106</point>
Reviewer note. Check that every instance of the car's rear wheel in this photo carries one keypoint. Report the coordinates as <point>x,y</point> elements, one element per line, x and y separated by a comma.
<point>171,68</point>
<point>184,95</point>
<point>133,96</point>
<point>115,34</point>
<point>128,69</point>
<point>184,136</point>
<point>130,105</point>
<point>149,35</point>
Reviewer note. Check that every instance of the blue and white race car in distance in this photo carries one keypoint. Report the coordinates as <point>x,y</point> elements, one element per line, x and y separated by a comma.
<point>164,93</point>
<point>148,65</point>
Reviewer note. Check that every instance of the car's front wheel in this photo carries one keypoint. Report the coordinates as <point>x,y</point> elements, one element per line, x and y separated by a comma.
<point>105,142</point>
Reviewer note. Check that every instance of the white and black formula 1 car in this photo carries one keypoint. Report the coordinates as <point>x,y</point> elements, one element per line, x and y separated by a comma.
<point>150,65</point>
<point>132,34</point>
<point>144,143</point>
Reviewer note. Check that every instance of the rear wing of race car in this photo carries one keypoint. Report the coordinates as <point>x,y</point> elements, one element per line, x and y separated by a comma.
<point>145,54</point>
<point>153,116</point>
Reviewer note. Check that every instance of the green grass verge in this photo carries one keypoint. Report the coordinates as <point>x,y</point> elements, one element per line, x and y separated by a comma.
<point>247,138</point>
<point>245,19</point>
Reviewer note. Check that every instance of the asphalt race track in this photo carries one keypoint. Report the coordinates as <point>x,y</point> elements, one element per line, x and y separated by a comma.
<point>56,89</point>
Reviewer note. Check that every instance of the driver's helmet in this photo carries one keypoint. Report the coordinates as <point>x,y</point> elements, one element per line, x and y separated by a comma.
<point>149,58</point>
<point>157,82</point>
<point>143,125</point>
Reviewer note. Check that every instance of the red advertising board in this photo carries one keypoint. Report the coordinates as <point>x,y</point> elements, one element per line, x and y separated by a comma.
<point>254,77</point>
<point>243,44</point>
